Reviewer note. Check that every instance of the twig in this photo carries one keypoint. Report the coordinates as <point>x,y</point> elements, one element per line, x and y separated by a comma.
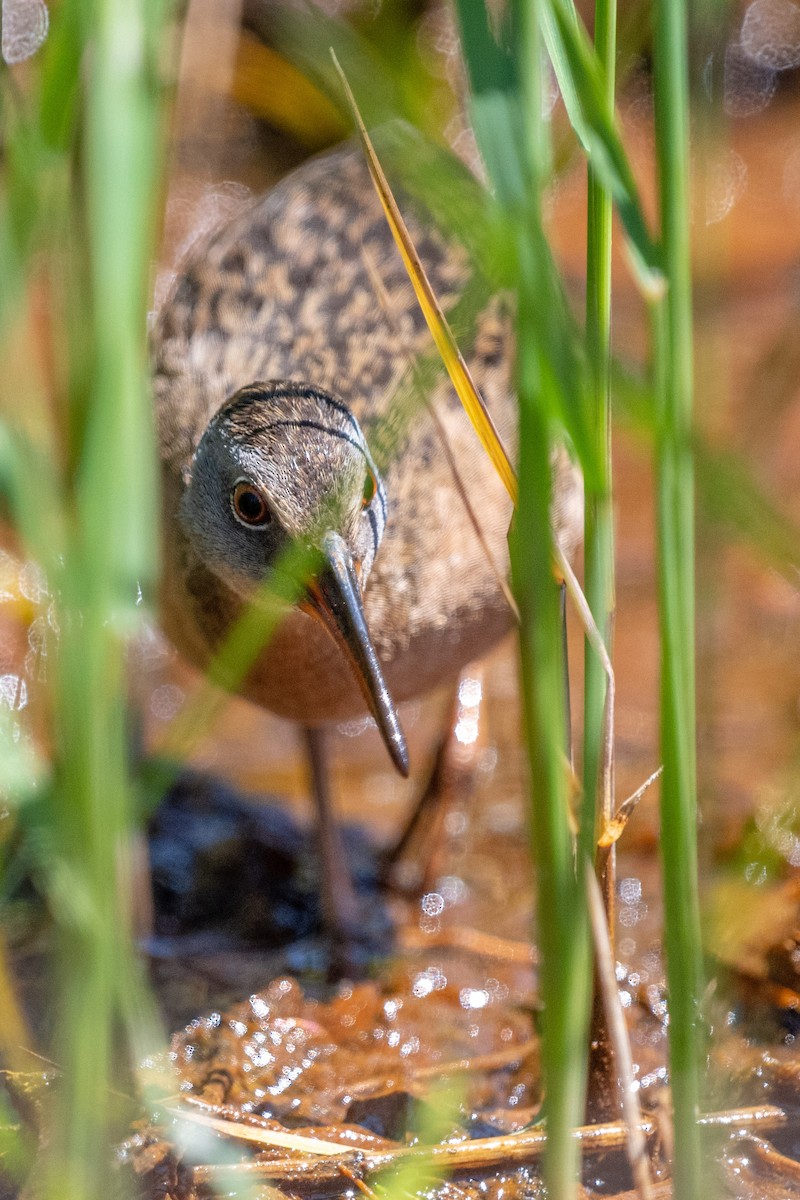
<point>507,1150</point>
<point>473,941</point>
<point>364,1188</point>
<point>770,1160</point>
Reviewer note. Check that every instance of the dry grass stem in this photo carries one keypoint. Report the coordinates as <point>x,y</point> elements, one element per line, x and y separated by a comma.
<point>616,826</point>
<point>595,639</point>
<point>440,330</point>
<point>241,1132</point>
<point>620,1041</point>
<point>422,392</point>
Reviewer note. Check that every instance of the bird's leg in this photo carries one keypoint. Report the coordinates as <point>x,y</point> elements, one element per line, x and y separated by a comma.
<point>404,868</point>
<point>411,865</point>
<point>339,903</point>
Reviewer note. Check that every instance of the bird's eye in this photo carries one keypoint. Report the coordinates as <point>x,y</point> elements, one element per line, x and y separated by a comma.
<point>249,506</point>
<point>370,488</point>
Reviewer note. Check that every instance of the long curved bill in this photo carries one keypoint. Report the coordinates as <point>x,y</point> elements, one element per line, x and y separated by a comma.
<point>335,597</point>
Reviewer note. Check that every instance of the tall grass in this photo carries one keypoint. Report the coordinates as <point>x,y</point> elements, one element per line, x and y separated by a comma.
<point>555,393</point>
<point>82,126</point>
<point>598,761</point>
<point>83,121</point>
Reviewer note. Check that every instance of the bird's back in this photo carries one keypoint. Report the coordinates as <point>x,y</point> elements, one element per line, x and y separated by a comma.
<point>308,286</point>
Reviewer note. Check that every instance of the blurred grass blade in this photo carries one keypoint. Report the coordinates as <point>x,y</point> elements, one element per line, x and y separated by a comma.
<point>437,323</point>
<point>729,493</point>
<point>505,145</point>
<point>735,502</point>
<point>22,771</point>
<point>491,67</point>
<point>230,664</point>
<point>62,56</point>
<point>90,523</point>
<point>404,114</point>
<point>36,513</point>
<point>121,133</point>
<point>581,78</point>
<point>17,1143</point>
<point>418,1176</point>
<point>15,1037</point>
<point>305,37</point>
<point>563,358</point>
<point>495,101</point>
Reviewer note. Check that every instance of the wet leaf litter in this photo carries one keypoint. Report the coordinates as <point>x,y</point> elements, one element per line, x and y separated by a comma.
<point>325,1095</point>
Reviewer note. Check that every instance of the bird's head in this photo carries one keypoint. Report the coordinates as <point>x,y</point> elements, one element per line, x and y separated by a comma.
<point>286,463</point>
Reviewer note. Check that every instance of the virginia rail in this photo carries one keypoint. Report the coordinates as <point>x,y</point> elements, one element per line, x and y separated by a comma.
<point>287,409</point>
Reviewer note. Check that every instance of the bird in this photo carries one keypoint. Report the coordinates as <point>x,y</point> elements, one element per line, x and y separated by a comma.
<point>288,409</point>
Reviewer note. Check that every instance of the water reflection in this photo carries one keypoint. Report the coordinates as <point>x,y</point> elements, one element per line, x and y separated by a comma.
<point>748,86</point>
<point>13,692</point>
<point>770,34</point>
<point>726,179</point>
<point>25,24</point>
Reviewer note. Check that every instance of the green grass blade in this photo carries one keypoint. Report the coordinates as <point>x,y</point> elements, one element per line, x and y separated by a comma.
<point>495,108</point>
<point>60,73</point>
<point>565,977</point>
<point>598,542</point>
<point>675,504</point>
<point>581,79</point>
<point>119,456</point>
<point>491,67</point>
<point>599,520</point>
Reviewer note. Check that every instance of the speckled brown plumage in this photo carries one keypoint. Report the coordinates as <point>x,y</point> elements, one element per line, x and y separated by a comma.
<point>287,291</point>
